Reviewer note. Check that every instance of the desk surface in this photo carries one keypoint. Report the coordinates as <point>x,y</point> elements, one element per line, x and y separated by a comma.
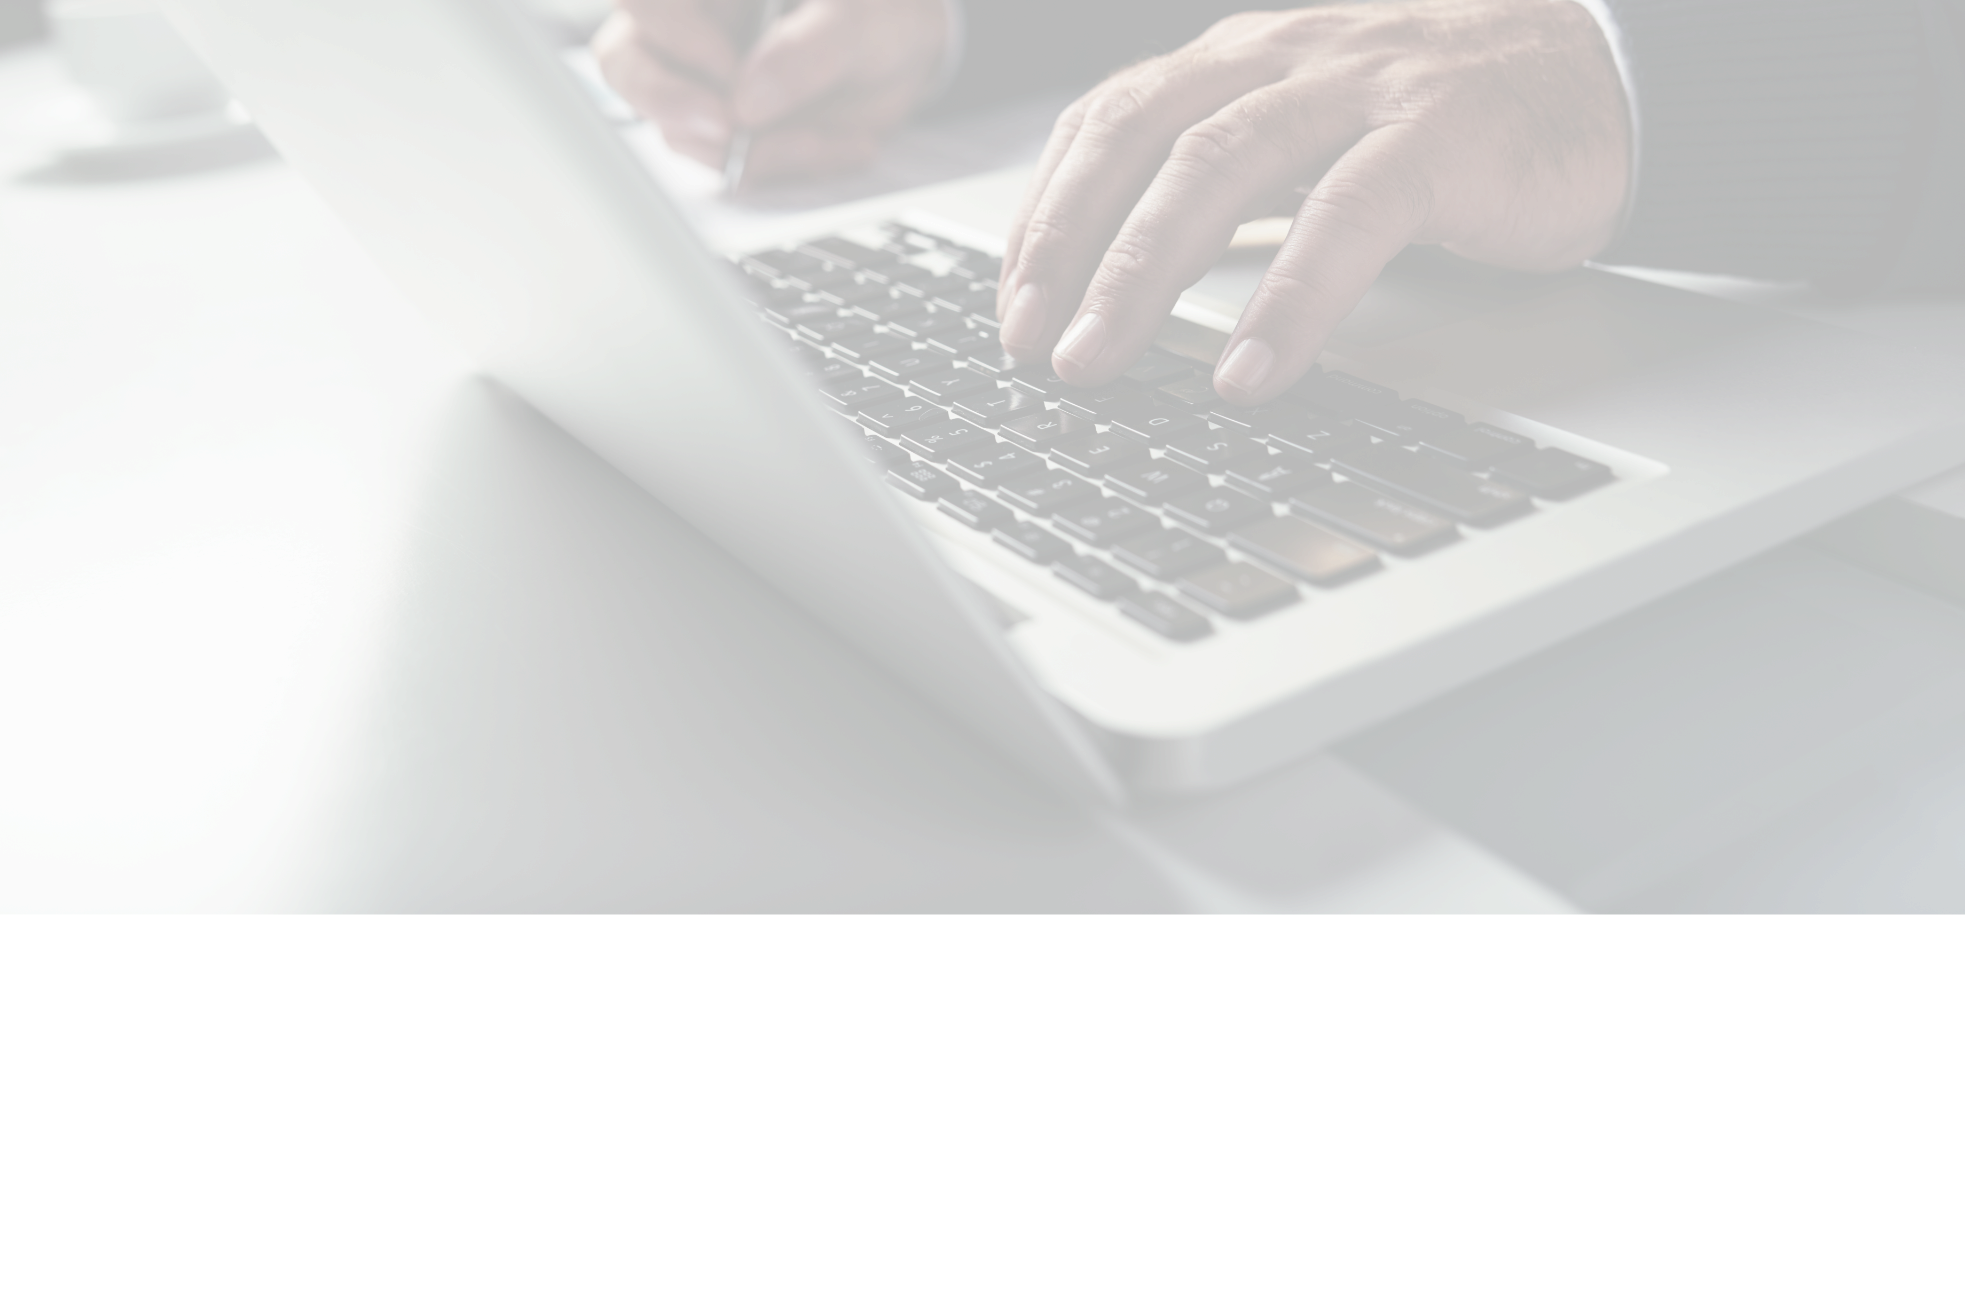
<point>294,612</point>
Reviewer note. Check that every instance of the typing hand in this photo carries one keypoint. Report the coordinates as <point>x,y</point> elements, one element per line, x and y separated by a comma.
<point>1496,128</point>
<point>819,89</point>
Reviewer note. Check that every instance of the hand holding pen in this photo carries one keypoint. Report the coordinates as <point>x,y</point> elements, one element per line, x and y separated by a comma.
<point>765,90</point>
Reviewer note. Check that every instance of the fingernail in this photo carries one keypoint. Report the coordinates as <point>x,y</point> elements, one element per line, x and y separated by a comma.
<point>1085,342</point>
<point>1247,367</point>
<point>1023,326</point>
<point>765,97</point>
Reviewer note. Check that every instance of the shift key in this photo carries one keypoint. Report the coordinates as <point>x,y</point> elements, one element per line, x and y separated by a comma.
<point>1433,485</point>
<point>1374,518</point>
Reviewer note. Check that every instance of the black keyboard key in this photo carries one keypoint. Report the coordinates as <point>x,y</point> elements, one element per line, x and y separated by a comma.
<point>1475,446</point>
<point>1096,454</point>
<point>826,331</point>
<point>1168,553</point>
<point>1212,450</point>
<point>929,287</point>
<point>978,266</point>
<point>1217,510</point>
<point>805,311</point>
<point>784,263</point>
<point>1432,485</point>
<point>995,464</point>
<point>998,364</point>
<point>1323,442</point>
<point>1046,491</point>
<point>1040,432</point>
<point>1155,483</point>
<point>860,291</point>
<point>911,362</point>
<point>1095,576</point>
<point>938,441</point>
<point>922,326</point>
<point>1156,367</point>
<point>827,372</point>
<point>975,341</point>
<point>853,391</point>
<point>1105,521</point>
<point>979,305</point>
<point>1256,419</point>
<point>1039,379</point>
<point>1106,404</point>
<point>767,297</point>
<point>1375,518</point>
<point>885,311</point>
<point>868,345</point>
<point>993,409</point>
<point>1553,475</point>
<point>1299,547</point>
<point>822,278</point>
<point>884,453</point>
<point>1194,392</point>
<point>1156,427</point>
<point>1238,590</point>
<point>898,416</point>
<point>1409,421</point>
<point>1272,477</point>
<point>924,482</point>
<point>1350,397</point>
<point>1030,542</point>
<point>949,383</point>
<point>1165,616</point>
<point>974,510</point>
<point>850,253</point>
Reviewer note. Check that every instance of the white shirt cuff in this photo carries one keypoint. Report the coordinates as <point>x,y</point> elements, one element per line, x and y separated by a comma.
<point>1620,54</point>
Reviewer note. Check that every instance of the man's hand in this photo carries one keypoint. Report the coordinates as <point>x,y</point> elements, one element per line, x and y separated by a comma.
<point>1496,128</point>
<point>819,90</point>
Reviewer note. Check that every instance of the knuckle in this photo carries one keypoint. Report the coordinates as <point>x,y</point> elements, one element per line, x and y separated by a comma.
<point>1216,148</point>
<point>1043,238</point>
<point>1128,258</point>
<point>1117,111</point>
<point>1387,198</point>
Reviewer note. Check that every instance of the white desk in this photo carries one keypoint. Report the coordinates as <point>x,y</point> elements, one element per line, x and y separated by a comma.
<point>295,613</point>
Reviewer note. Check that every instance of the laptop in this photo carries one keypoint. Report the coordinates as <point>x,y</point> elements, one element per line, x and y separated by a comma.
<point>1132,590</point>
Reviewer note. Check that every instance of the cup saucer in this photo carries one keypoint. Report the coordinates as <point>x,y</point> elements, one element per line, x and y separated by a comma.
<point>73,128</point>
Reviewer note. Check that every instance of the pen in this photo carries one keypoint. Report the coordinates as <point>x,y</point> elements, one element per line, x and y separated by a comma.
<point>740,140</point>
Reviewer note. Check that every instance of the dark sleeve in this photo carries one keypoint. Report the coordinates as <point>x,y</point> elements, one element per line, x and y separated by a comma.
<point>1821,140</point>
<point>1016,47</point>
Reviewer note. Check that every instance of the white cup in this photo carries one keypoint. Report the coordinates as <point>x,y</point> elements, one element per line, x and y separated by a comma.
<point>131,61</point>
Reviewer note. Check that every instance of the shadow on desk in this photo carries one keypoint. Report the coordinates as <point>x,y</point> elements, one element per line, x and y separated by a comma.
<point>587,705</point>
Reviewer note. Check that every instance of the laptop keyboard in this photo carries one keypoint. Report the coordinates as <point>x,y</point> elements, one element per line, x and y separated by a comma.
<point>1151,493</point>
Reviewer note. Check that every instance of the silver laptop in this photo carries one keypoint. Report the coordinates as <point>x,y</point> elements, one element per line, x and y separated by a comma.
<point>1129,590</point>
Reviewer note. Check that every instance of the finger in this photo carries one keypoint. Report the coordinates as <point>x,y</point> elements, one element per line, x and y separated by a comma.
<point>798,151</point>
<point>687,34</point>
<point>1063,133</point>
<point>1228,168</point>
<point>1129,126</point>
<point>1371,204</point>
<point>693,119</point>
<point>805,55</point>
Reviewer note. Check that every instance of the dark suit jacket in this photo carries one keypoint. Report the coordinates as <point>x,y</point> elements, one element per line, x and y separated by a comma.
<point>1817,140</point>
